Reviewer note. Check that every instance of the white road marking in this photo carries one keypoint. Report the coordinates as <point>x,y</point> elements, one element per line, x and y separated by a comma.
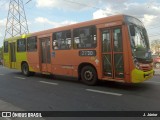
<point>8,118</point>
<point>104,92</point>
<point>20,78</point>
<point>49,83</point>
<point>153,82</point>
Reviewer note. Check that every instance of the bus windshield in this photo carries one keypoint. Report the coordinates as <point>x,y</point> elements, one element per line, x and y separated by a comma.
<point>139,40</point>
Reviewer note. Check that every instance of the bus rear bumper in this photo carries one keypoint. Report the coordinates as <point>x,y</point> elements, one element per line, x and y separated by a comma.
<point>140,76</point>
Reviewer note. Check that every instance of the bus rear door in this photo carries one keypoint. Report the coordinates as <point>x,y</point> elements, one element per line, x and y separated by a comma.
<point>112,53</point>
<point>45,54</point>
<point>12,55</point>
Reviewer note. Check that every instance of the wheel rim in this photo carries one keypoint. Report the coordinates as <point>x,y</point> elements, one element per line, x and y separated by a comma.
<point>88,75</point>
<point>25,69</point>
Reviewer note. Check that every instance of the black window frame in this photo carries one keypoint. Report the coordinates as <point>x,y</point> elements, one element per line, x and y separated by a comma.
<point>19,48</point>
<point>56,42</point>
<point>34,47</point>
<point>93,35</point>
<point>6,47</point>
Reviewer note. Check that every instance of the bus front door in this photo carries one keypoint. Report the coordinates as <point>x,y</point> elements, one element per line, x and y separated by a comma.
<point>12,55</point>
<point>112,53</point>
<point>45,55</point>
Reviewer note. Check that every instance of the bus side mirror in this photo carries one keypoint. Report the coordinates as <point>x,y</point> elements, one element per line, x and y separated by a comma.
<point>132,30</point>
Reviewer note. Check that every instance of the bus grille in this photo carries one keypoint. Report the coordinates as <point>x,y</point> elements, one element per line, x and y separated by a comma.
<point>146,68</point>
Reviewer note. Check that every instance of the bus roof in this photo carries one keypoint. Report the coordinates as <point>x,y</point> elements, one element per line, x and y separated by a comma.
<point>83,24</point>
<point>72,26</point>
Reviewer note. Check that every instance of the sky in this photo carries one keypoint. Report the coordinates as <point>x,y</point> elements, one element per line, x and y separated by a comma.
<point>46,14</point>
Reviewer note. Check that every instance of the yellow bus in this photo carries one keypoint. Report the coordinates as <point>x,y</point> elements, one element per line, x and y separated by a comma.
<point>114,48</point>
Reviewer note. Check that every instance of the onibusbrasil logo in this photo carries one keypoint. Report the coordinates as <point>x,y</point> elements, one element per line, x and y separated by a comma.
<point>21,114</point>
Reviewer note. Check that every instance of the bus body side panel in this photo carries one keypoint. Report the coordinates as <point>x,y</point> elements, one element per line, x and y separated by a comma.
<point>66,62</point>
<point>20,56</point>
<point>61,62</point>
<point>6,61</point>
<point>99,51</point>
<point>33,61</point>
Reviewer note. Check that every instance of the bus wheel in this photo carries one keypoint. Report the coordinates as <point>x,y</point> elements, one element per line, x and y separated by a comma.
<point>89,75</point>
<point>25,69</point>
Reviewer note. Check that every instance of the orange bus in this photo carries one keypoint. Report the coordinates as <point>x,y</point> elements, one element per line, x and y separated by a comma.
<point>114,48</point>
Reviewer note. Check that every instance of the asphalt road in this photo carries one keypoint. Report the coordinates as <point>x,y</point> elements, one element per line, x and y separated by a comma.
<point>44,93</point>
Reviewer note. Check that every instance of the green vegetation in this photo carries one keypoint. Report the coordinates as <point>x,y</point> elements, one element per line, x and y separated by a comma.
<point>1,52</point>
<point>155,46</point>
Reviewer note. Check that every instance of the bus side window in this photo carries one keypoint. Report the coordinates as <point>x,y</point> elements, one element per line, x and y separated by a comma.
<point>68,39</point>
<point>62,40</point>
<point>21,45</point>
<point>76,38</point>
<point>94,36</point>
<point>85,37</point>
<point>6,47</point>
<point>55,42</point>
<point>32,43</point>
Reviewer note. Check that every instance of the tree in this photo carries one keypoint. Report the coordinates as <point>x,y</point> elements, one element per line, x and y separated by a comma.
<point>155,46</point>
<point>1,52</point>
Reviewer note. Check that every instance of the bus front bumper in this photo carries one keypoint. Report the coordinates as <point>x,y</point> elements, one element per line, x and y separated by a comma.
<point>140,76</point>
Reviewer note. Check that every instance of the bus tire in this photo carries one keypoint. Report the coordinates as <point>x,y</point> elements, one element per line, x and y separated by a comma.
<point>25,69</point>
<point>89,75</point>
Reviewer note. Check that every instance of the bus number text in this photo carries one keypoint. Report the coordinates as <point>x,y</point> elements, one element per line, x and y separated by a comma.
<point>87,53</point>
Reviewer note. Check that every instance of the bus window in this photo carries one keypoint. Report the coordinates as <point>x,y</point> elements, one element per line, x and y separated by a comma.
<point>76,38</point>
<point>68,39</point>
<point>21,45</point>
<point>6,47</point>
<point>117,40</point>
<point>85,37</point>
<point>32,43</point>
<point>62,40</point>
<point>106,41</point>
